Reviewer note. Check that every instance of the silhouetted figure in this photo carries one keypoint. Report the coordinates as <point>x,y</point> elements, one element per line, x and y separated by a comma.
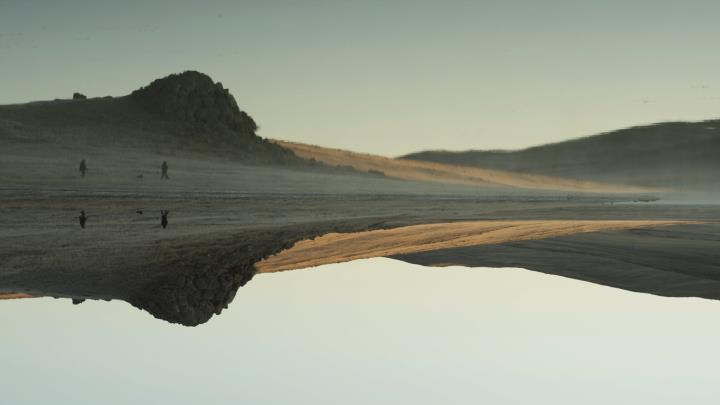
<point>83,168</point>
<point>164,169</point>
<point>82,218</point>
<point>163,218</point>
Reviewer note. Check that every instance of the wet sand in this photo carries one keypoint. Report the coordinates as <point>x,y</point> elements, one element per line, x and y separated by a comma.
<point>226,216</point>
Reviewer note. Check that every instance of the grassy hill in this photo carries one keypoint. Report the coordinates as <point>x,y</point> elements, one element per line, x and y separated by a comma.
<point>675,154</point>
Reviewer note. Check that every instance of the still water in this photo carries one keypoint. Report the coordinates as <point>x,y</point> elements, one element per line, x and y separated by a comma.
<point>372,331</point>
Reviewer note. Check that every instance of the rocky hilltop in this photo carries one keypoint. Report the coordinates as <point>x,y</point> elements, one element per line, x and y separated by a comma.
<point>193,98</point>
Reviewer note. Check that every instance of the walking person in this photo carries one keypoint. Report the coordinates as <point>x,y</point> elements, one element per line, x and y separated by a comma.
<point>82,218</point>
<point>83,168</point>
<point>163,218</point>
<point>164,169</point>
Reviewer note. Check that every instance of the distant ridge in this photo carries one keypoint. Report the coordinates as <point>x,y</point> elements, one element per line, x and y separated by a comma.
<point>684,155</point>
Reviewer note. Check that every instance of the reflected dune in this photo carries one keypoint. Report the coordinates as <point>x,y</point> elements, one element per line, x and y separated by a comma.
<point>343,247</point>
<point>12,296</point>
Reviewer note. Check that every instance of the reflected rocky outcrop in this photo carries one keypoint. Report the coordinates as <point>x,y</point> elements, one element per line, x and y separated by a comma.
<point>191,299</point>
<point>185,281</point>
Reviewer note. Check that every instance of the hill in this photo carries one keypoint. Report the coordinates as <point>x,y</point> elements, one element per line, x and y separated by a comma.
<point>185,112</point>
<point>680,155</point>
<point>188,115</point>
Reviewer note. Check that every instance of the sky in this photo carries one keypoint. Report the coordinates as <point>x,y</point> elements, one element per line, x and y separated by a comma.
<point>386,77</point>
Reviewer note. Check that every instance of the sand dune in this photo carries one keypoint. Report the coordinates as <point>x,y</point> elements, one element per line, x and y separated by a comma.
<point>343,247</point>
<point>440,172</point>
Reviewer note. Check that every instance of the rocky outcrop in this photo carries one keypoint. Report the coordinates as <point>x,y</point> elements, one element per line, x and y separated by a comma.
<point>181,113</point>
<point>192,97</point>
<point>202,115</point>
<point>79,96</point>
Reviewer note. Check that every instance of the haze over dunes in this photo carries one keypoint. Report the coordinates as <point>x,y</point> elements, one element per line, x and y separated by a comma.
<point>342,247</point>
<point>683,155</point>
<point>441,172</point>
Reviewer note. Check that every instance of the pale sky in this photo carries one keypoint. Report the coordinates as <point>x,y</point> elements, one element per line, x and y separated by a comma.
<point>386,77</point>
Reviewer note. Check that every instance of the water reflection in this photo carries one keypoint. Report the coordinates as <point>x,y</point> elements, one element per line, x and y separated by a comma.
<point>372,331</point>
